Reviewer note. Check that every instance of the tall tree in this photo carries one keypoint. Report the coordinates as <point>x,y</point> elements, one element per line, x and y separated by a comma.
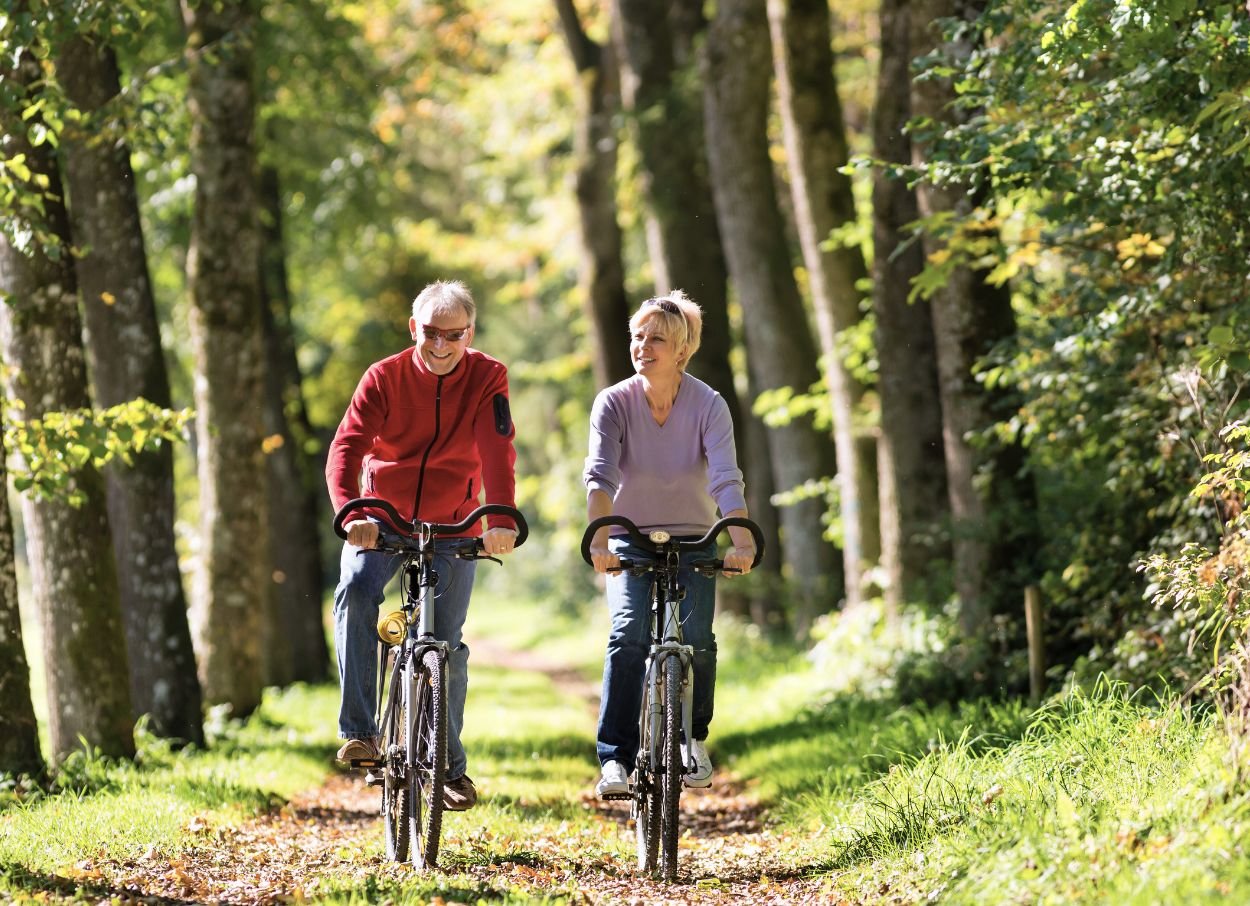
<point>912,466</point>
<point>780,349</point>
<point>126,362</point>
<point>19,732</point>
<point>295,641</point>
<point>660,90</point>
<point>69,547</point>
<point>603,270</point>
<point>992,516</point>
<point>223,270</point>
<point>815,141</point>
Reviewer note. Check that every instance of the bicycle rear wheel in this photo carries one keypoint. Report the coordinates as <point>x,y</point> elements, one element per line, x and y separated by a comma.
<point>428,766</point>
<point>646,790</point>
<point>671,767</point>
<point>396,736</point>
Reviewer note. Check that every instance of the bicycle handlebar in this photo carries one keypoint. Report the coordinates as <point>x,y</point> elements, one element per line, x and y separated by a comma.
<point>404,527</point>
<point>636,535</point>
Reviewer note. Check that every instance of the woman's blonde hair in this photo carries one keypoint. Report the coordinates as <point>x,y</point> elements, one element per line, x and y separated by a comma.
<point>679,318</point>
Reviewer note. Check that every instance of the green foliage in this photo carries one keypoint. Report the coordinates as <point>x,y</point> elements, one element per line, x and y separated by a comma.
<point>54,447</point>
<point>1106,141</point>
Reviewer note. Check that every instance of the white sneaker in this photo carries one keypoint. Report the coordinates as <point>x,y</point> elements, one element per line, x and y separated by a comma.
<point>696,759</point>
<point>614,784</point>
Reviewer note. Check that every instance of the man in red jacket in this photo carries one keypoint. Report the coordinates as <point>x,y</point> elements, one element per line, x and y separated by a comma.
<point>427,429</point>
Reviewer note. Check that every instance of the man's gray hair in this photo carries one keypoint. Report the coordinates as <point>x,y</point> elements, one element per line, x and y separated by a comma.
<point>445,297</point>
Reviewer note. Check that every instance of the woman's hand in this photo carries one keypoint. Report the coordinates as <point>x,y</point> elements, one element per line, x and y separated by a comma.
<point>602,557</point>
<point>738,561</point>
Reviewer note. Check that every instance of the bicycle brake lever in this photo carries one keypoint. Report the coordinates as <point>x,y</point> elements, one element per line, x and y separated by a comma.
<point>484,557</point>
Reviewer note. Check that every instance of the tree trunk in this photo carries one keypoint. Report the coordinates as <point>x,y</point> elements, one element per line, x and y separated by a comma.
<point>69,548</point>
<point>603,271</point>
<point>991,506</point>
<point>126,362</point>
<point>914,506</point>
<point>295,639</point>
<point>780,348</point>
<point>654,40</point>
<point>19,732</point>
<point>223,269</point>
<point>815,140</point>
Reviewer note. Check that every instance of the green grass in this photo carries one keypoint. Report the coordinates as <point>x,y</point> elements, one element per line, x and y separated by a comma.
<point>119,809</point>
<point>1100,797</point>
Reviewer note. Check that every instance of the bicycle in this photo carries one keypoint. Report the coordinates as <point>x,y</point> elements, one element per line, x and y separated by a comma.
<point>412,694</point>
<point>665,718</point>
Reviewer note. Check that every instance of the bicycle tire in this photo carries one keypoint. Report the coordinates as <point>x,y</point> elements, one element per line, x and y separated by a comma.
<point>396,795</point>
<point>671,768</point>
<point>646,791</point>
<point>428,767</point>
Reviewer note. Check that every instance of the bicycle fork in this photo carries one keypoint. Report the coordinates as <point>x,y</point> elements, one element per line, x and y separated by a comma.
<point>655,716</point>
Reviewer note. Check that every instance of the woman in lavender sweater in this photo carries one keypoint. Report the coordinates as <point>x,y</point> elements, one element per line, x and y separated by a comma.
<point>661,454</point>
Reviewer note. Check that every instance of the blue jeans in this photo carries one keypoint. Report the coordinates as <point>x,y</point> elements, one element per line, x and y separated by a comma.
<point>624,667</point>
<point>362,578</point>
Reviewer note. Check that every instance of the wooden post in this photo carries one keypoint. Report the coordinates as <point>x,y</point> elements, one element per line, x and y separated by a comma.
<point>1037,642</point>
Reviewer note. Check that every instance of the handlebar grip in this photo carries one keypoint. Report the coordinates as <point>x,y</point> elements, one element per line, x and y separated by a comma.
<point>397,522</point>
<point>589,535</point>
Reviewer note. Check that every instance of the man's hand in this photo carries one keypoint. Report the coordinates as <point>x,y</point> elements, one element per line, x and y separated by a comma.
<point>498,541</point>
<point>362,533</point>
<point>738,558</point>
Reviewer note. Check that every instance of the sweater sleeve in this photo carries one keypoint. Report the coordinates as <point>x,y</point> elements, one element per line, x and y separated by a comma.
<point>603,464</point>
<point>365,415</point>
<point>494,433</point>
<point>724,478</point>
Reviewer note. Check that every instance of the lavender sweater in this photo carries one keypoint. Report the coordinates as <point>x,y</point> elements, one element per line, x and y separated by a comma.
<point>672,477</point>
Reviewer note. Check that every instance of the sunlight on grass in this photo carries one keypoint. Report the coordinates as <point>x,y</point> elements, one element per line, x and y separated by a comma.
<point>119,809</point>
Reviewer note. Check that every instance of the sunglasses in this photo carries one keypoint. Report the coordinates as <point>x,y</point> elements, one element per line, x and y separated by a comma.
<point>451,336</point>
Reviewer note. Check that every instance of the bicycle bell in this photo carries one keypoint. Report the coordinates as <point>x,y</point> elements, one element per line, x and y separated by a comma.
<point>659,536</point>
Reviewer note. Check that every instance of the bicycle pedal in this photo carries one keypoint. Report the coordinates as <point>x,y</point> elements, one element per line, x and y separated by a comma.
<point>616,797</point>
<point>374,779</point>
<point>368,763</point>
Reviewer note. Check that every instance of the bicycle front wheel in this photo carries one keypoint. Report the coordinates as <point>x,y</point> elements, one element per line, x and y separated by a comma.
<point>396,737</point>
<point>671,768</point>
<point>428,766</point>
<point>647,788</point>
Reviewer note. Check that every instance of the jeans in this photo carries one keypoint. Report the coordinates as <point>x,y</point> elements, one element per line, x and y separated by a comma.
<point>362,579</point>
<point>624,667</point>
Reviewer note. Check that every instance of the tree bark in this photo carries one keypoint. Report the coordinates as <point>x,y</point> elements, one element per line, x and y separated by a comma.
<point>19,731</point>
<point>815,141</point>
<point>780,349</point>
<point>126,362</point>
<point>69,548</point>
<point>223,268</point>
<point>993,513</point>
<point>603,270</point>
<point>295,640</point>
<point>655,39</point>
<point>915,509</point>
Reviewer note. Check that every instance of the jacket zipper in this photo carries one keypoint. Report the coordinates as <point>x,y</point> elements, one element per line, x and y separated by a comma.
<point>438,421</point>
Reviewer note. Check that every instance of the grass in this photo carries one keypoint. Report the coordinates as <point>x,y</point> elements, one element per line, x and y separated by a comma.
<point>1099,797</point>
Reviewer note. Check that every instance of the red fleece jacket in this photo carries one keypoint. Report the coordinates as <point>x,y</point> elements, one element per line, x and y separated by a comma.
<point>425,442</point>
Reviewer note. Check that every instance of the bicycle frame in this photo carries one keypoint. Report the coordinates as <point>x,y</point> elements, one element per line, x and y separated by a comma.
<point>412,685</point>
<point>658,772</point>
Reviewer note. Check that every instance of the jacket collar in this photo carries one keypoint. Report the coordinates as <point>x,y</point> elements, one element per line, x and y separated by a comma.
<point>454,377</point>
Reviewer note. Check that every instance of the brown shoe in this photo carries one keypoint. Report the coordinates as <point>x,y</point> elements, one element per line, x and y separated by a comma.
<point>359,750</point>
<point>459,794</point>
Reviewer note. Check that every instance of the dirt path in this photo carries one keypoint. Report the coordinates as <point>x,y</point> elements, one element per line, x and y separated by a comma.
<point>331,837</point>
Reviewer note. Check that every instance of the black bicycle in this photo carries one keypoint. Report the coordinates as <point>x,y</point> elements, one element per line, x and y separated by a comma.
<point>412,692</point>
<point>668,690</point>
